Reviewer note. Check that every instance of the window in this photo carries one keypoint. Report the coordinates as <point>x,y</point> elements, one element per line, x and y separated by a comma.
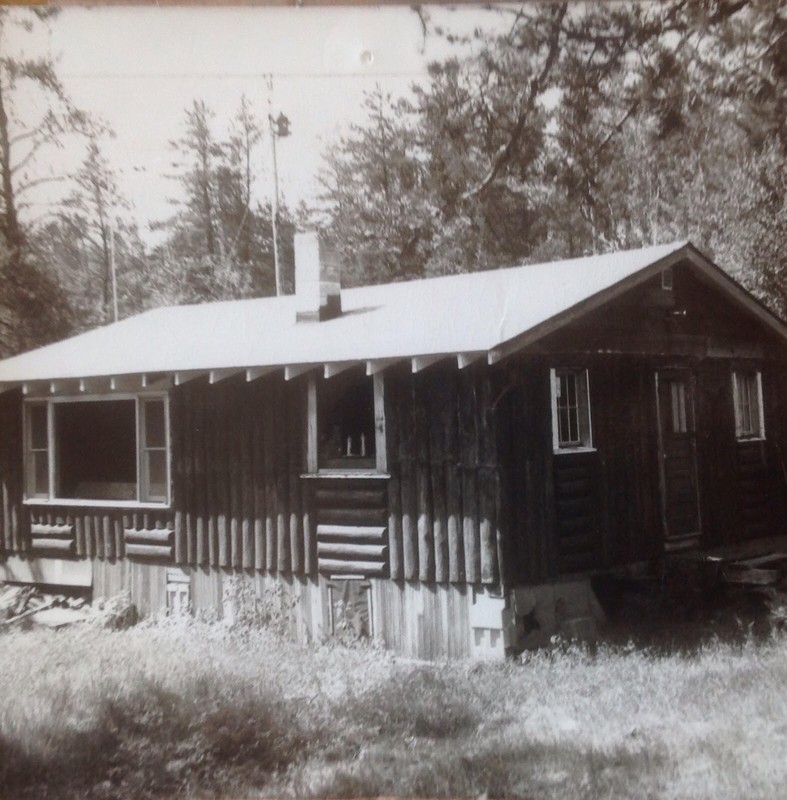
<point>103,451</point>
<point>747,401</point>
<point>570,410</point>
<point>350,608</point>
<point>348,434</point>
<point>678,406</point>
<point>153,448</point>
<point>178,591</point>
<point>666,279</point>
<point>37,436</point>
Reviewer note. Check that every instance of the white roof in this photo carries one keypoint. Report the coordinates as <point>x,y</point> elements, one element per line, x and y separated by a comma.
<point>468,313</point>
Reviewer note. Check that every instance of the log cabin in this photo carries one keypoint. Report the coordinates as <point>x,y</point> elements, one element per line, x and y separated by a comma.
<point>443,464</point>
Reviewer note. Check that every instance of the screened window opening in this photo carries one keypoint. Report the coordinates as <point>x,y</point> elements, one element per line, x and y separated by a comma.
<point>747,397</point>
<point>345,422</point>
<point>570,410</point>
<point>38,450</point>
<point>154,451</point>
<point>98,450</point>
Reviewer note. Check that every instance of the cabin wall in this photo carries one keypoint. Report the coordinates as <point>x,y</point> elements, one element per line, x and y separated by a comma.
<point>743,484</point>
<point>445,514</point>
<point>239,498</point>
<point>238,455</point>
<point>414,619</point>
<point>577,512</point>
<point>573,513</point>
<point>241,506</point>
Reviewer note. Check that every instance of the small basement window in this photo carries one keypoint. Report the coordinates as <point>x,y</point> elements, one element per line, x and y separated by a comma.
<point>350,608</point>
<point>104,451</point>
<point>571,427</point>
<point>747,401</point>
<point>346,429</point>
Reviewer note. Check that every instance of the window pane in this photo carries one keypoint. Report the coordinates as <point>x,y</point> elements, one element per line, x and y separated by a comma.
<point>747,405</point>
<point>96,445</point>
<point>573,426</point>
<point>155,429</point>
<point>38,434</point>
<point>678,391</point>
<point>571,409</point>
<point>571,390</point>
<point>40,474</point>
<point>156,472</point>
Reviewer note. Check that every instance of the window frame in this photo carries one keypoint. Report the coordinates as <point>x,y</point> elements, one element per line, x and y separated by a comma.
<point>757,432</point>
<point>313,468</point>
<point>51,498</point>
<point>584,415</point>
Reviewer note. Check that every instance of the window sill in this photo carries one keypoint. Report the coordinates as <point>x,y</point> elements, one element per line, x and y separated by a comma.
<point>746,439</point>
<point>70,503</point>
<point>558,451</point>
<point>346,473</point>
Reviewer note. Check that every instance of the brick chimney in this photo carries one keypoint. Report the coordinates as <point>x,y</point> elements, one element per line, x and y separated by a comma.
<point>317,279</point>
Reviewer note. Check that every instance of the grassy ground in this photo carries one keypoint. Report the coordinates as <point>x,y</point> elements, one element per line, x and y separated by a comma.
<point>188,709</point>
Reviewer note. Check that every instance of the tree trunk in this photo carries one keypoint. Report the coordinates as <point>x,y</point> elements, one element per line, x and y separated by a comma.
<point>11,229</point>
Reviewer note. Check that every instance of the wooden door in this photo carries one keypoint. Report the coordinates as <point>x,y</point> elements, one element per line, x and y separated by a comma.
<point>677,458</point>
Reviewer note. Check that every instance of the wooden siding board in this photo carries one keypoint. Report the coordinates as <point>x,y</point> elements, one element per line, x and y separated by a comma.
<point>426,556</point>
<point>468,428</point>
<point>235,476</point>
<point>487,478</point>
<point>223,442</point>
<point>453,485</point>
<point>392,394</point>
<point>269,427</point>
<point>187,552</point>
<point>247,480</point>
<point>79,535</point>
<point>281,456</point>
<point>209,436</point>
<point>178,401</point>
<point>408,488</point>
<point>295,426</point>
<point>258,475</point>
<point>199,554</point>
<point>437,454</point>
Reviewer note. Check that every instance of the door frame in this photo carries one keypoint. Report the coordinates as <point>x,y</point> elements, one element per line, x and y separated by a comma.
<point>685,541</point>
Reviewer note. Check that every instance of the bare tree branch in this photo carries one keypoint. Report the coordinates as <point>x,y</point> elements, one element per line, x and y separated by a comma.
<point>527,102</point>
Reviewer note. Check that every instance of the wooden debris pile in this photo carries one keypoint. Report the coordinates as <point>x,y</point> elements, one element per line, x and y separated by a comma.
<point>30,605</point>
<point>766,570</point>
<point>18,603</point>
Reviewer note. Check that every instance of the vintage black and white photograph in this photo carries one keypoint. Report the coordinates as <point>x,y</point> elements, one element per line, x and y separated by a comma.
<point>393,401</point>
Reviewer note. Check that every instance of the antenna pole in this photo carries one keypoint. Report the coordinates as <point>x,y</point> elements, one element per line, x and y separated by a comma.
<point>113,272</point>
<point>275,199</point>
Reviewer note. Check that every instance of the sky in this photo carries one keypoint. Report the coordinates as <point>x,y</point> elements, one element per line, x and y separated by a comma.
<point>138,68</point>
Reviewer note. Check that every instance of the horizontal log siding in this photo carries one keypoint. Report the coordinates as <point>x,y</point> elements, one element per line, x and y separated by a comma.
<point>444,522</point>
<point>239,502</point>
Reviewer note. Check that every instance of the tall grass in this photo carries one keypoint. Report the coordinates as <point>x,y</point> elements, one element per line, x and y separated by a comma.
<point>188,709</point>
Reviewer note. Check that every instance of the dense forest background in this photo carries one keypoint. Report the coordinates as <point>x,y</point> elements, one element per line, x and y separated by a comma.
<point>555,131</point>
